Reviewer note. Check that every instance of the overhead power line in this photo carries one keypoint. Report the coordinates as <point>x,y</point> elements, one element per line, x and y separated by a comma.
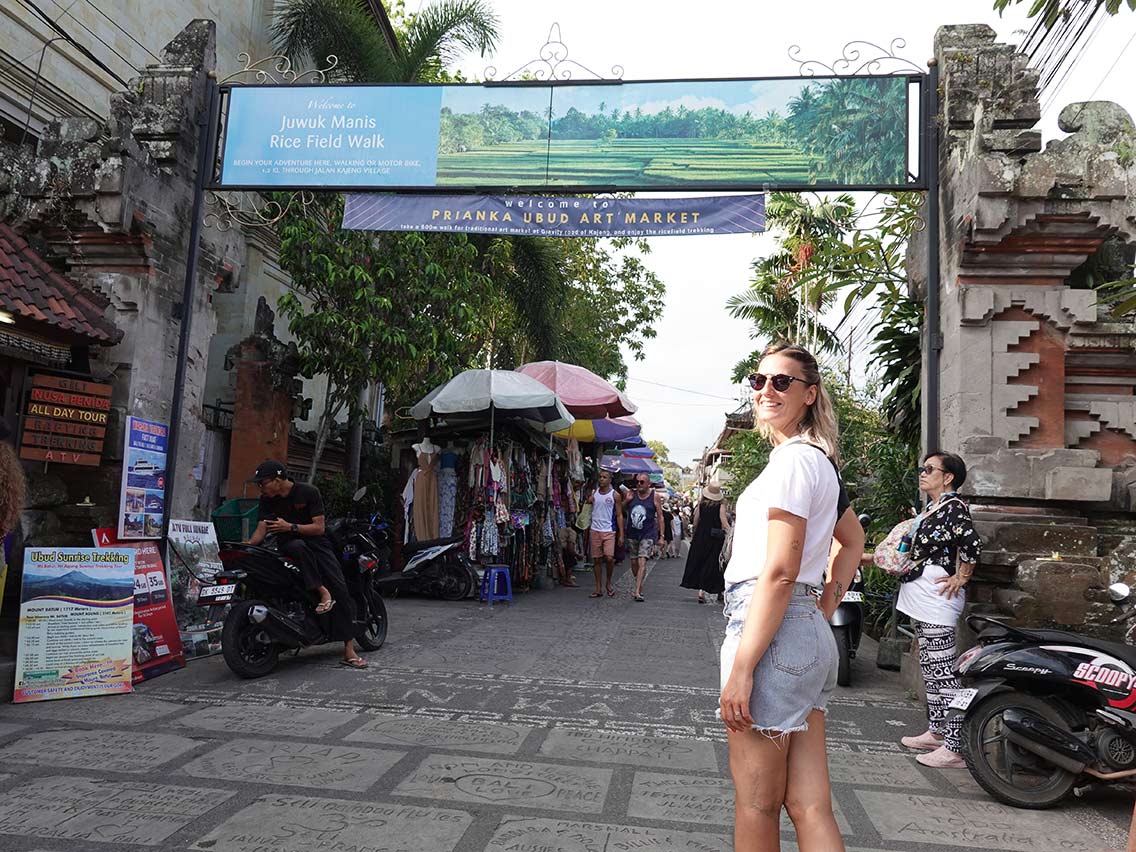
<point>126,33</point>
<point>683,390</point>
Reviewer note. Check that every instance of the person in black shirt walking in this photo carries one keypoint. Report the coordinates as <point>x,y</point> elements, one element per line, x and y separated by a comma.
<point>295,513</point>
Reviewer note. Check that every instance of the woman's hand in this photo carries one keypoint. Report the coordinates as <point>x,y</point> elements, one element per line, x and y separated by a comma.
<point>951,585</point>
<point>734,702</point>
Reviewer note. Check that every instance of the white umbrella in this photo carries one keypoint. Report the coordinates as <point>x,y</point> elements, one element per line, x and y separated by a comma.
<point>503,392</point>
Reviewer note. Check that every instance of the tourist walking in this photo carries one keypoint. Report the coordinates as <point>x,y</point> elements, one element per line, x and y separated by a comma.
<point>644,529</point>
<point>711,523</point>
<point>945,547</point>
<point>676,533</point>
<point>668,531</point>
<point>779,659</point>
<point>605,532</point>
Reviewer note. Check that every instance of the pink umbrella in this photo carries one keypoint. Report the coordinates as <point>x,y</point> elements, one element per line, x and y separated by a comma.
<point>583,393</point>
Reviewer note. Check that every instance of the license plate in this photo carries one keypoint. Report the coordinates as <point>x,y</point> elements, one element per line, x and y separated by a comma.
<point>853,597</point>
<point>963,698</point>
<point>216,594</point>
<point>348,549</point>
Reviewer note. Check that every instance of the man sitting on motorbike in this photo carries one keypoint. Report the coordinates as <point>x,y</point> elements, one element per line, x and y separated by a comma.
<point>295,513</point>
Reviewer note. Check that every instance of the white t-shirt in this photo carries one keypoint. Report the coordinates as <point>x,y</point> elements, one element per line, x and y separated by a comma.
<point>798,479</point>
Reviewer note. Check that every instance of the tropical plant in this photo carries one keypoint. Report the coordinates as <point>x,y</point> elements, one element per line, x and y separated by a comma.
<point>1052,11</point>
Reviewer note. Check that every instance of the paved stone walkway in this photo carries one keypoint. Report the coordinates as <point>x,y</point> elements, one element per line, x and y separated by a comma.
<point>559,724</point>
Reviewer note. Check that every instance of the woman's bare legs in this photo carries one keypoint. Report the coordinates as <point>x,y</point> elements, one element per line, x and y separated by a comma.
<point>808,792</point>
<point>758,766</point>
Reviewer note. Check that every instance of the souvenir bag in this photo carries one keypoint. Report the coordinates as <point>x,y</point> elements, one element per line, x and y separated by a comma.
<point>584,517</point>
<point>889,557</point>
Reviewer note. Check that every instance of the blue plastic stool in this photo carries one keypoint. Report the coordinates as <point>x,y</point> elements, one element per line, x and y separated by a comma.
<point>491,583</point>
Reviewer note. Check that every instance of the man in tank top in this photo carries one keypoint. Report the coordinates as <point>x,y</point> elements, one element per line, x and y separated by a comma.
<point>644,528</point>
<point>605,533</point>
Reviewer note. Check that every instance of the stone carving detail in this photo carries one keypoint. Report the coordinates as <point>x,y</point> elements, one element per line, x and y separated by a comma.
<point>1038,384</point>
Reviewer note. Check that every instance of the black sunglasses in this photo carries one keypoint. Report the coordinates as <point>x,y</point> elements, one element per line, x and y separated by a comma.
<point>928,469</point>
<point>781,382</point>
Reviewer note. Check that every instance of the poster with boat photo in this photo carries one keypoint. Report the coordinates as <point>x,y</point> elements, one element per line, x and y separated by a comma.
<point>142,506</point>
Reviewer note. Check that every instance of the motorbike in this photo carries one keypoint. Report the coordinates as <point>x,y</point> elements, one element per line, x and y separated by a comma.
<point>437,567</point>
<point>1046,712</point>
<point>848,622</point>
<point>270,610</point>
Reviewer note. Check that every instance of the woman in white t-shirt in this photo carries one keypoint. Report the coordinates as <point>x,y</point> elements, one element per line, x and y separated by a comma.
<point>779,658</point>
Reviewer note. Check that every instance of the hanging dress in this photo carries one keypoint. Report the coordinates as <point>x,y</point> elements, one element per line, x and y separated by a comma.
<point>447,494</point>
<point>426,497</point>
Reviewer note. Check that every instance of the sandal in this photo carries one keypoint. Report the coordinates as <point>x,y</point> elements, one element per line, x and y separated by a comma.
<point>324,607</point>
<point>596,595</point>
<point>639,598</point>
<point>610,592</point>
<point>354,663</point>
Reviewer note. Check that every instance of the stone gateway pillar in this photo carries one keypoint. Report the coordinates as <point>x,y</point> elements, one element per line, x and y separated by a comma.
<point>1037,379</point>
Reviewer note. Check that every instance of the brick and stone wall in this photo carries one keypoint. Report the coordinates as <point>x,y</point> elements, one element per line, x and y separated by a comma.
<point>1037,380</point>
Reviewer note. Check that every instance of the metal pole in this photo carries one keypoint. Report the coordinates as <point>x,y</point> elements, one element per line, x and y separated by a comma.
<point>205,123</point>
<point>934,334</point>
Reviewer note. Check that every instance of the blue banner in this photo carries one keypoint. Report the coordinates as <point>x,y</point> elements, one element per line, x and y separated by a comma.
<point>142,505</point>
<point>546,216</point>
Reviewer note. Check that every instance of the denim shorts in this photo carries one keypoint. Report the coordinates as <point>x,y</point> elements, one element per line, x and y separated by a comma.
<point>798,672</point>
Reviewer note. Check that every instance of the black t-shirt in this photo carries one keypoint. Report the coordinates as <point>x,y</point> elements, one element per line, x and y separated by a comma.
<point>298,506</point>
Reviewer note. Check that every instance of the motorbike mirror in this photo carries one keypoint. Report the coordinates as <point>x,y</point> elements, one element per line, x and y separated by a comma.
<point>358,495</point>
<point>1119,592</point>
<point>865,520</point>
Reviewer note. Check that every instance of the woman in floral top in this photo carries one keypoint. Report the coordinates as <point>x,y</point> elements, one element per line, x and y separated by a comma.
<point>945,547</point>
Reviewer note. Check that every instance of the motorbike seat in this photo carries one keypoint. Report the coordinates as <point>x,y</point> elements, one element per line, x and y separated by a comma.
<point>415,546</point>
<point>1127,653</point>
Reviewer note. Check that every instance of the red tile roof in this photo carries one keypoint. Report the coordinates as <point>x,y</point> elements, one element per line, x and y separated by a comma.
<point>32,291</point>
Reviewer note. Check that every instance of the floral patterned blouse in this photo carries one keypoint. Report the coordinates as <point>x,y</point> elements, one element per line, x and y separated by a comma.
<point>946,535</point>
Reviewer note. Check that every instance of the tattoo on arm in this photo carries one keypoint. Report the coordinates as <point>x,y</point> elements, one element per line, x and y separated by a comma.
<point>796,545</point>
<point>838,590</point>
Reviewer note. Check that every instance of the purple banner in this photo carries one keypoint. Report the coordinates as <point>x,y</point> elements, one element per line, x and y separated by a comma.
<point>539,215</point>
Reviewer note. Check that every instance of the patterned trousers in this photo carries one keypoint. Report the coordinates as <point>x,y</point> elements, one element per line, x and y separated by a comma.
<point>936,659</point>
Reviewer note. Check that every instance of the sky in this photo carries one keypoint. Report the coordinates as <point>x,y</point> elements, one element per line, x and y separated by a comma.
<point>682,386</point>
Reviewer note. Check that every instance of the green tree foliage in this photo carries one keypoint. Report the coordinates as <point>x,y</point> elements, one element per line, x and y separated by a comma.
<point>662,451</point>
<point>1052,11</point>
<point>402,308</point>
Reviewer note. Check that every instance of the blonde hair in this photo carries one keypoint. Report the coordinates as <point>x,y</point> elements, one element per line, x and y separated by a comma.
<point>12,489</point>
<point>819,425</point>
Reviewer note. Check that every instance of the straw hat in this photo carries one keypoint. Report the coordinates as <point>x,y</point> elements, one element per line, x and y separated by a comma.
<point>712,492</point>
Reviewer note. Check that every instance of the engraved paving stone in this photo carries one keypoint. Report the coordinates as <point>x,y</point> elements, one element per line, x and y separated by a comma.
<point>877,770</point>
<point>555,835</point>
<point>284,823</point>
<point>686,798</point>
<point>487,737</point>
<point>115,709</point>
<point>508,782</point>
<point>295,764</point>
<point>118,751</point>
<point>103,811</point>
<point>608,747</point>
<point>279,721</point>
<point>909,818</point>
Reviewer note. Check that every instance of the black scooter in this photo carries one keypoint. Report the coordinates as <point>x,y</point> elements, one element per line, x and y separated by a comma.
<point>848,622</point>
<point>272,612</point>
<point>1046,710</point>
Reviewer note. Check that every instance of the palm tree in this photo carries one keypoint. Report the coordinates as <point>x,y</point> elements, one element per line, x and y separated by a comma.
<point>436,36</point>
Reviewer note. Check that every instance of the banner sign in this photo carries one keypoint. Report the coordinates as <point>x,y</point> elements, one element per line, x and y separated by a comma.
<point>546,216</point>
<point>685,135</point>
<point>142,505</point>
<point>65,420</point>
<point>193,556</point>
<point>157,643</point>
<point>76,620</point>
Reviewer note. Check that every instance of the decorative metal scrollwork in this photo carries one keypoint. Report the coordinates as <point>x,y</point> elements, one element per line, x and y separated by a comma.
<point>859,57</point>
<point>552,63</point>
<point>249,209</point>
<point>278,69</point>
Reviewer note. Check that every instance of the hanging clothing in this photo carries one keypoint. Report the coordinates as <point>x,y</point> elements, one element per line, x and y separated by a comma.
<point>447,500</point>
<point>702,568</point>
<point>407,502</point>
<point>575,460</point>
<point>426,497</point>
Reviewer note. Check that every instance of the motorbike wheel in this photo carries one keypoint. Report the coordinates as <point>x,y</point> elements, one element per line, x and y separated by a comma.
<point>454,584</point>
<point>247,649</point>
<point>1005,770</point>
<point>844,655</point>
<point>375,635</point>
